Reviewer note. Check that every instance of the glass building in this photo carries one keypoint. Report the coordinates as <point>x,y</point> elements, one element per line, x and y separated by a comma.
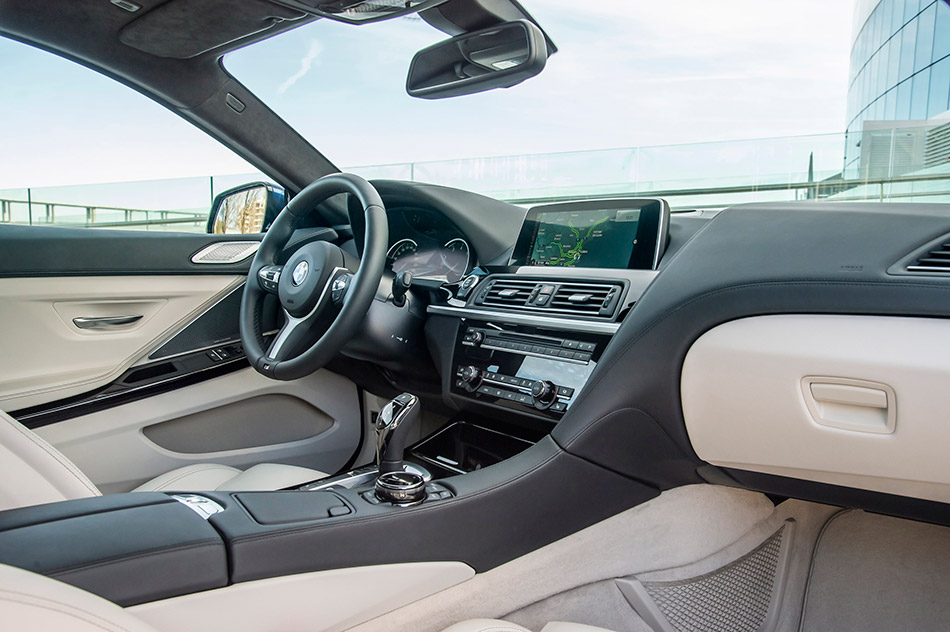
<point>899,85</point>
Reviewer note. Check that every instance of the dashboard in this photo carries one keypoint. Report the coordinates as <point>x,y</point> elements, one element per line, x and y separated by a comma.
<point>428,245</point>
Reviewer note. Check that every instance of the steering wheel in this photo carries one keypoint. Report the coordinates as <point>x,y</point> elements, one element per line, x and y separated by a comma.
<point>324,291</point>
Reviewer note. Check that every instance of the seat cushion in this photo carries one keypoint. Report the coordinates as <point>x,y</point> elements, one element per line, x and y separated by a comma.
<point>33,602</point>
<point>495,625</point>
<point>209,477</point>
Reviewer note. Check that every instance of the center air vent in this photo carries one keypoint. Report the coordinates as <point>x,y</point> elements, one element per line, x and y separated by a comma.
<point>585,298</point>
<point>580,298</point>
<point>506,293</point>
<point>936,260</point>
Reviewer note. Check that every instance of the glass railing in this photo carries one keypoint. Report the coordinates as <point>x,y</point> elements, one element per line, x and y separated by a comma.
<point>696,176</point>
<point>180,204</point>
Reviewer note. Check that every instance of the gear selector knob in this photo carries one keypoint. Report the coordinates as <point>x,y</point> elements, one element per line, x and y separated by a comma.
<point>392,428</point>
<point>401,488</point>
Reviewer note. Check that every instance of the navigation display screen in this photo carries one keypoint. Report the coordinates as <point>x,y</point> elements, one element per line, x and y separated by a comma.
<point>585,239</point>
<point>620,233</point>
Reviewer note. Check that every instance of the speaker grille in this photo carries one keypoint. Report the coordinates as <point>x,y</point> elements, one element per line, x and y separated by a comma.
<point>735,598</point>
<point>226,252</point>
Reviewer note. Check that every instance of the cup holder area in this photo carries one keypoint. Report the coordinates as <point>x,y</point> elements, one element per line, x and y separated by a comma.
<point>463,447</point>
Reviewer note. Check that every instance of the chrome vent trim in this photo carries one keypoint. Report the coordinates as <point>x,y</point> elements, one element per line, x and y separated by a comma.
<point>936,260</point>
<point>595,299</point>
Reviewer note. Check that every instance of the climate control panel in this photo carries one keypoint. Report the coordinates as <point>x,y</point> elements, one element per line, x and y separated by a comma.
<point>527,370</point>
<point>539,394</point>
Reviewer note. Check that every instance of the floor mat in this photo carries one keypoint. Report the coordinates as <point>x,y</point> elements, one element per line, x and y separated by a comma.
<point>875,573</point>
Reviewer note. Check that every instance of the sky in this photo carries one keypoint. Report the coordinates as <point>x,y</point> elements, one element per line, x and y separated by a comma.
<point>628,73</point>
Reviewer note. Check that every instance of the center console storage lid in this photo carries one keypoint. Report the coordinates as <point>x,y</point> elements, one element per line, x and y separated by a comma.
<point>127,548</point>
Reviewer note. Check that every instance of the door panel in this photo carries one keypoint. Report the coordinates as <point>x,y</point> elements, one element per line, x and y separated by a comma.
<point>313,422</point>
<point>33,251</point>
<point>50,357</point>
<point>128,401</point>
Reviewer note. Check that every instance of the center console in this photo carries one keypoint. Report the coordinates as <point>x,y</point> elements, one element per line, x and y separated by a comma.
<point>526,337</point>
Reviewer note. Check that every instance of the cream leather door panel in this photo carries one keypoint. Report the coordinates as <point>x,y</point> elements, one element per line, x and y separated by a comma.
<point>47,356</point>
<point>238,419</point>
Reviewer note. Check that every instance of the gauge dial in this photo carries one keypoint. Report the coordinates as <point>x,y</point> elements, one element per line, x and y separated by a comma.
<point>400,249</point>
<point>456,258</point>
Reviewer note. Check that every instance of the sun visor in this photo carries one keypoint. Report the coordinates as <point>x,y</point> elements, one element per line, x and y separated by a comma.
<point>182,29</point>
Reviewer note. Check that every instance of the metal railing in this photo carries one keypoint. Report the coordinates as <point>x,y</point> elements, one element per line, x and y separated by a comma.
<point>91,216</point>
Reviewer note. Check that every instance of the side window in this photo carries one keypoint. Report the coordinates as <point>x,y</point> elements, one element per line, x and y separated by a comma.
<point>82,150</point>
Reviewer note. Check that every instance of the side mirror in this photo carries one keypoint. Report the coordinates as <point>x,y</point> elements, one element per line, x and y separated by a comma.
<point>249,208</point>
<point>498,57</point>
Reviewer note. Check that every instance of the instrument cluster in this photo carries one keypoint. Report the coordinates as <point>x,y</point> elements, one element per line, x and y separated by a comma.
<point>428,246</point>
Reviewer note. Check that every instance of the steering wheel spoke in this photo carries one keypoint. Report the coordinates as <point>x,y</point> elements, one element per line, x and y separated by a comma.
<point>268,278</point>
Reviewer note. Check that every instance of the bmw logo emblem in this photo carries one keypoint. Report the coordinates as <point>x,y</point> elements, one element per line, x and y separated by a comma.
<point>300,272</point>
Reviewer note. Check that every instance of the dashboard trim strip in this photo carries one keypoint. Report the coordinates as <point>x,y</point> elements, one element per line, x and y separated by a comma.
<point>526,319</point>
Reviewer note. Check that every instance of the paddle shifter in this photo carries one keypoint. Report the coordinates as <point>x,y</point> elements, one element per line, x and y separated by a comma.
<point>394,484</point>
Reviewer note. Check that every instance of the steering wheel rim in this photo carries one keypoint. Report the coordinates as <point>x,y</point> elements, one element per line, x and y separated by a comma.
<point>360,288</point>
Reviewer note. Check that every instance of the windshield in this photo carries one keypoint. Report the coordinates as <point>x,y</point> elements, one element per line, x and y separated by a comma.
<point>773,98</point>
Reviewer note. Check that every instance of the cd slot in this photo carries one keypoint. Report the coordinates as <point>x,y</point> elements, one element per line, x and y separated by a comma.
<point>566,350</point>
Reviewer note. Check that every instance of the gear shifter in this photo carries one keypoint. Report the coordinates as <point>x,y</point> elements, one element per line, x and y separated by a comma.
<point>392,428</point>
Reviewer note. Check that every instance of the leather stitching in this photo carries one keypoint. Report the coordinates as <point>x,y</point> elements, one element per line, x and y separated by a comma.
<point>62,608</point>
<point>192,470</point>
<point>138,555</point>
<point>53,452</point>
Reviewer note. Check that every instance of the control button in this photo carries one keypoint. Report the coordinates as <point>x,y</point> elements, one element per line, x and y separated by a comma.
<point>565,353</point>
<point>559,407</point>
<point>551,352</point>
<point>564,391</point>
<point>509,395</point>
<point>341,510</point>
<point>582,356</point>
<point>484,390</point>
<point>569,344</point>
<point>478,337</point>
<point>213,355</point>
<point>525,399</point>
<point>547,289</point>
<point>224,353</point>
<point>444,494</point>
<point>471,378</point>
<point>459,384</point>
<point>522,347</point>
<point>586,346</point>
<point>543,300</point>
<point>467,285</point>
<point>544,393</point>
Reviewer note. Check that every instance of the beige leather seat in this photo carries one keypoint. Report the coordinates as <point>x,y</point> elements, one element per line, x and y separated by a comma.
<point>29,601</point>
<point>34,472</point>
<point>494,625</point>
<point>33,602</point>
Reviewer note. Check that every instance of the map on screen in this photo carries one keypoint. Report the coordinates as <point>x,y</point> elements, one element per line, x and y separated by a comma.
<point>585,239</point>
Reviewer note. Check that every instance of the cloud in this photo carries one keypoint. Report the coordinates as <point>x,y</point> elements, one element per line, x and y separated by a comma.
<point>305,65</point>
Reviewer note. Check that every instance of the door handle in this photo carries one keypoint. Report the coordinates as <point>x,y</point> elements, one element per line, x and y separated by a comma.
<point>104,322</point>
<point>848,404</point>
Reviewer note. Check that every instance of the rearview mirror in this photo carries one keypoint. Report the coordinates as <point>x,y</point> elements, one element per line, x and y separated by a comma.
<point>249,208</point>
<point>498,57</point>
